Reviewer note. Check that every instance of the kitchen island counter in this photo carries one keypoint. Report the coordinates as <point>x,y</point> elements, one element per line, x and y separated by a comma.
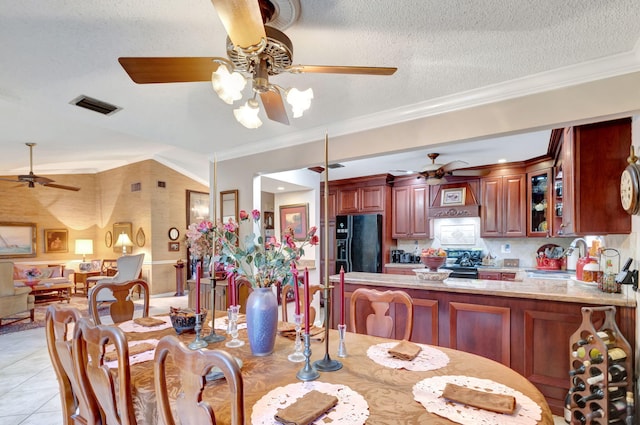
<point>541,289</point>
<point>524,325</point>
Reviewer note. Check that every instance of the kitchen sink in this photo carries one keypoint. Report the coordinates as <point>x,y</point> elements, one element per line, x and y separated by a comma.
<point>550,274</point>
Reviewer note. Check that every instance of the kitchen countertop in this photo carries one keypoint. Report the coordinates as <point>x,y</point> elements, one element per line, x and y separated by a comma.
<point>542,289</point>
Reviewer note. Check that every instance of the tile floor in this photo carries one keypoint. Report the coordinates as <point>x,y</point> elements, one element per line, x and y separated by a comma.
<point>28,385</point>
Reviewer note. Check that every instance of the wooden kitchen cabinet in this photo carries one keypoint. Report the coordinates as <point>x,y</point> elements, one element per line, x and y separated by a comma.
<point>496,275</point>
<point>593,156</point>
<point>360,200</point>
<point>540,203</point>
<point>503,204</point>
<point>410,212</point>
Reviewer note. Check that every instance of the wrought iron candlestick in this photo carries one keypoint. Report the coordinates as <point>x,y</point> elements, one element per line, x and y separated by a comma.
<point>308,372</point>
<point>327,364</point>
<point>233,327</point>
<point>198,342</point>
<point>213,337</point>
<point>297,355</point>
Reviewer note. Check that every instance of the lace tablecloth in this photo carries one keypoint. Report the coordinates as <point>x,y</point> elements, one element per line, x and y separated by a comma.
<point>136,358</point>
<point>429,393</point>
<point>130,326</point>
<point>429,358</point>
<point>352,408</point>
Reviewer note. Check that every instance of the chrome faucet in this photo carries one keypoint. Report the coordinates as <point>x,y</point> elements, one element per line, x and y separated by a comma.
<point>578,243</point>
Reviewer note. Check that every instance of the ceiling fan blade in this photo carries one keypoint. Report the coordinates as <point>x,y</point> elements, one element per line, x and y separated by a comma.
<point>274,106</point>
<point>243,22</point>
<point>10,180</point>
<point>169,70</point>
<point>60,186</point>
<point>36,179</point>
<point>366,70</point>
<point>453,165</point>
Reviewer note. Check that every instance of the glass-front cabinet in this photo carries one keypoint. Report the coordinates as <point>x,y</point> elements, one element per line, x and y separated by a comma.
<point>541,207</point>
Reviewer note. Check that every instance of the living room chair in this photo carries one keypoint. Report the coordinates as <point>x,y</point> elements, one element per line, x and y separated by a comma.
<point>313,289</point>
<point>379,323</point>
<point>129,268</point>
<point>193,367</point>
<point>113,395</point>
<point>122,308</point>
<point>78,406</point>
<point>14,300</point>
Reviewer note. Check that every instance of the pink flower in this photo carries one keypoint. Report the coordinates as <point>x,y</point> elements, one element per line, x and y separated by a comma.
<point>256,215</point>
<point>243,215</point>
<point>288,238</point>
<point>205,225</point>
<point>314,240</point>
<point>230,226</point>
<point>312,231</point>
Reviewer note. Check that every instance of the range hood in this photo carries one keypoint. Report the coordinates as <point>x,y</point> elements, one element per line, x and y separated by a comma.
<point>455,200</point>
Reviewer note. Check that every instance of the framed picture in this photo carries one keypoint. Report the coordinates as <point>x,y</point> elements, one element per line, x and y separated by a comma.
<point>197,206</point>
<point>96,265</point>
<point>268,220</point>
<point>452,197</point>
<point>174,246</point>
<point>17,240</point>
<point>295,217</point>
<point>56,240</point>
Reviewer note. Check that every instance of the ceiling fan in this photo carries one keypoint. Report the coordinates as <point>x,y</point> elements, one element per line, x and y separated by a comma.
<point>253,48</point>
<point>436,173</point>
<point>31,179</point>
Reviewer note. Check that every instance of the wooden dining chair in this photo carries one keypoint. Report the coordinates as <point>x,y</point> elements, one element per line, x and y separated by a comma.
<point>78,406</point>
<point>194,365</point>
<point>113,394</point>
<point>379,323</point>
<point>122,309</point>
<point>289,288</point>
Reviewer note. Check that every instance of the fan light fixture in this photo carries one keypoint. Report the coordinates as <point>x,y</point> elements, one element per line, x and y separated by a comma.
<point>228,86</point>
<point>247,114</point>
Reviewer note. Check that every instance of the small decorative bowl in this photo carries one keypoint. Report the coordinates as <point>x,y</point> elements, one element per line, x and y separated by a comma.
<point>184,319</point>
<point>433,262</point>
<point>426,274</point>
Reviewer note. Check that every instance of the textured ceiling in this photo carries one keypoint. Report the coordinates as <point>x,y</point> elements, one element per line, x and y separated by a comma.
<point>56,50</point>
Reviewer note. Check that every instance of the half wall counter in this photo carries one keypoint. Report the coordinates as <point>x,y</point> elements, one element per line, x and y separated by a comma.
<point>523,325</point>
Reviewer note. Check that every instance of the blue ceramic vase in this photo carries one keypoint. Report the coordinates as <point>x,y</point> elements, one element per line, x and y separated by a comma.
<point>262,321</point>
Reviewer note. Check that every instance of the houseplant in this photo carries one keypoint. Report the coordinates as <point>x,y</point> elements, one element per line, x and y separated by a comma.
<point>262,263</point>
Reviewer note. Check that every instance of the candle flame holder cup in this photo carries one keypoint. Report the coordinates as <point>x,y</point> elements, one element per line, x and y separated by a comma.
<point>342,348</point>
<point>297,355</point>
<point>232,328</point>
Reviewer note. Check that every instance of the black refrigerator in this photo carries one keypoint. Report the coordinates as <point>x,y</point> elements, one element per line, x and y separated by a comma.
<point>359,243</point>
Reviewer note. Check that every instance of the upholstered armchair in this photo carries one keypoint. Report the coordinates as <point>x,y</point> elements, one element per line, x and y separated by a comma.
<point>13,300</point>
<point>129,267</point>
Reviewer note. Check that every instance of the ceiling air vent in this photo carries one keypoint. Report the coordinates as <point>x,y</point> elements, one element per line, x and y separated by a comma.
<point>336,165</point>
<point>96,105</point>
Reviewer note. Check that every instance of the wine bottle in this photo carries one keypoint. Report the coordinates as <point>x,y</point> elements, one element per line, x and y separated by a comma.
<point>596,395</point>
<point>617,373</point>
<point>617,408</point>
<point>594,415</point>
<point>579,370</point>
<point>614,355</point>
<point>567,407</point>
<point>630,409</point>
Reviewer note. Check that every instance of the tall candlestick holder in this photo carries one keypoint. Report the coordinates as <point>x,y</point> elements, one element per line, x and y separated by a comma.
<point>327,364</point>
<point>308,372</point>
<point>342,347</point>
<point>213,336</point>
<point>232,328</point>
<point>198,342</point>
<point>297,355</point>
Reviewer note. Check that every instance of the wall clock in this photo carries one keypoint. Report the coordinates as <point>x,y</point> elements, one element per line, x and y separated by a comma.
<point>174,234</point>
<point>630,189</point>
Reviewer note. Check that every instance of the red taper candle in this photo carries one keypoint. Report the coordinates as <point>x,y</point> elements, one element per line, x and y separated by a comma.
<point>232,289</point>
<point>306,300</point>
<point>296,294</point>
<point>198,271</point>
<point>341,295</point>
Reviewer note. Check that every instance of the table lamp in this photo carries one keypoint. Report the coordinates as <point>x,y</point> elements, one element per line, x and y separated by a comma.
<point>123,241</point>
<point>84,247</point>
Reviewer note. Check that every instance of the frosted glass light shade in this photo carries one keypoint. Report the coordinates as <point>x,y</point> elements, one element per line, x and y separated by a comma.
<point>247,114</point>
<point>228,86</point>
<point>123,241</point>
<point>300,101</point>
<point>84,247</point>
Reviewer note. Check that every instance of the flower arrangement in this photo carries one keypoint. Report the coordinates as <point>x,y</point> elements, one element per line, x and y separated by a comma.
<point>32,273</point>
<point>261,262</point>
<point>433,252</point>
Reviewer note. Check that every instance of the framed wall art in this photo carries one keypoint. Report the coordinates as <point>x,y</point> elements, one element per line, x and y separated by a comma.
<point>174,246</point>
<point>17,240</point>
<point>295,217</point>
<point>453,197</point>
<point>197,206</point>
<point>56,240</point>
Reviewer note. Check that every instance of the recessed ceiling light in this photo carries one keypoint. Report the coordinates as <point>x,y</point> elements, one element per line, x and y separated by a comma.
<point>502,160</point>
<point>280,188</point>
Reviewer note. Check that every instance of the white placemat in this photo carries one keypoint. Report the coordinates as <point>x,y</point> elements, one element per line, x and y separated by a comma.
<point>131,326</point>
<point>429,358</point>
<point>428,392</point>
<point>352,408</point>
<point>221,323</point>
<point>136,358</point>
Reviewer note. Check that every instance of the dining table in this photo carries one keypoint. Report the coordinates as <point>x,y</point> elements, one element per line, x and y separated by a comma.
<point>385,389</point>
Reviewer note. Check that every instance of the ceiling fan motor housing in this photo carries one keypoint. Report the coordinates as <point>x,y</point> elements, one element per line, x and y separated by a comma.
<point>277,53</point>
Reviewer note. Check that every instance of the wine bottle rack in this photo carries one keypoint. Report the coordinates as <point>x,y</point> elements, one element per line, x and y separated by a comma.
<point>585,345</point>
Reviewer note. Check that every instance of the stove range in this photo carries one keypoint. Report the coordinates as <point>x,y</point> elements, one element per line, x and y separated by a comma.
<point>466,262</point>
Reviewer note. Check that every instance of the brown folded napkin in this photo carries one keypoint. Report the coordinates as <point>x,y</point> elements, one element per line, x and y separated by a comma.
<point>306,409</point>
<point>133,350</point>
<point>148,321</point>
<point>405,350</point>
<point>500,403</point>
<point>288,330</point>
